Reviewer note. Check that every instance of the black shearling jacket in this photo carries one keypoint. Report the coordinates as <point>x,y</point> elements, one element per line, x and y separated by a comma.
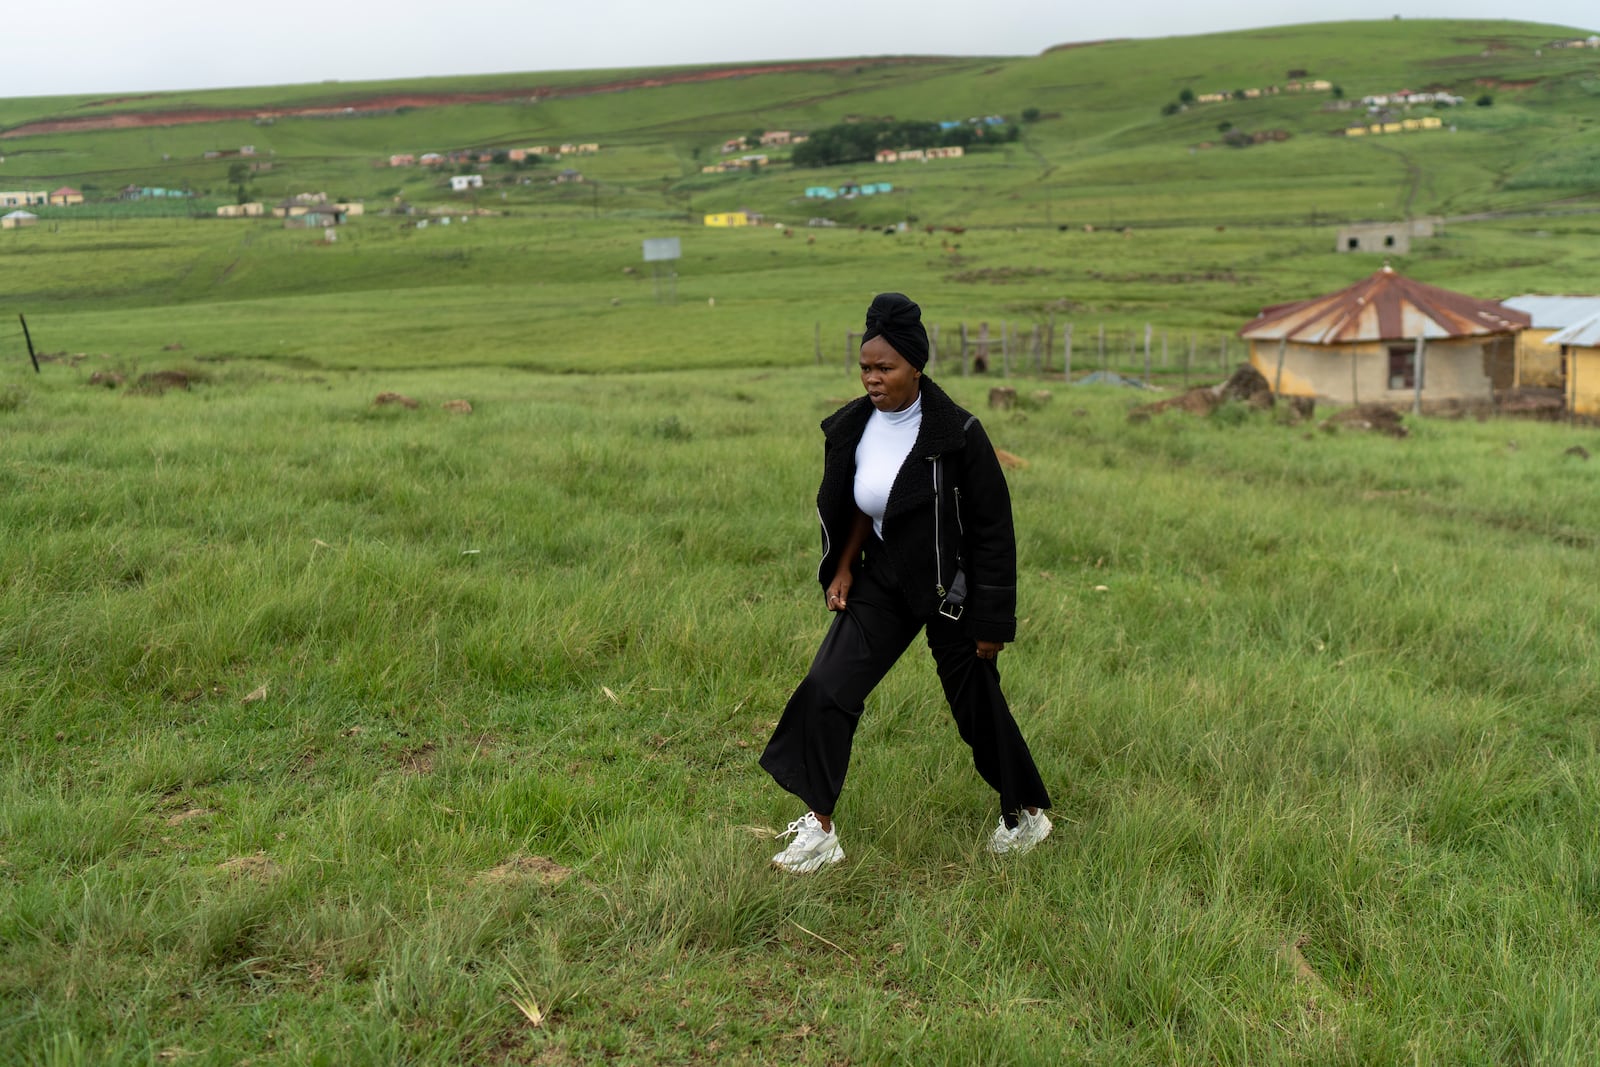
<point>948,509</point>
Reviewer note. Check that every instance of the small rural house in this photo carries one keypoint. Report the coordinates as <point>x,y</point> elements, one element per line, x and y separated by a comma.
<point>460,183</point>
<point>66,196</point>
<point>566,176</point>
<point>1579,345</point>
<point>728,218</point>
<point>18,219</point>
<point>318,217</point>
<point>1387,339</point>
<point>1539,365</point>
<point>1392,238</point>
<point>241,211</point>
<point>820,192</point>
<point>25,198</point>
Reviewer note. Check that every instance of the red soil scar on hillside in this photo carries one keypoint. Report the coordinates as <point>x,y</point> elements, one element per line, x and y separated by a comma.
<point>391,101</point>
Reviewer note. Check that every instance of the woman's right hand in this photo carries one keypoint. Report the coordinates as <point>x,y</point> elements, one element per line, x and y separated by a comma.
<point>839,591</point>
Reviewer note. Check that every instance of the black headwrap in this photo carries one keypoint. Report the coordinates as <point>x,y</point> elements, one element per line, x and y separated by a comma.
<point>897,319</point>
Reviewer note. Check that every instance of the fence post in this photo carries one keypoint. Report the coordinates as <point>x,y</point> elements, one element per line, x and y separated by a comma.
<point>28,337</point>
<point>1418,371</point>
<point>1147,353</point>
<point>1164,363</point>
<point>1188,360</point>
<point>963,349</point>
<point>1102,346</point>
<point>1067,357</point>
<point>1005,349</point>
<point>816,341</point>
<point>933,345</point>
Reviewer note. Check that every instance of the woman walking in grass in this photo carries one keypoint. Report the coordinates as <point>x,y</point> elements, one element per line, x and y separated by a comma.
<point>916,532</point>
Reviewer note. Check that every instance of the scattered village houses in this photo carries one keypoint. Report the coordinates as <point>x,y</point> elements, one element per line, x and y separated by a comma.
<point>1427,122</point>
<point>1539,364</point>
<point>919,155</point>
<point>1387,339</point>
<point>18,219</point>
<point>151,192</point>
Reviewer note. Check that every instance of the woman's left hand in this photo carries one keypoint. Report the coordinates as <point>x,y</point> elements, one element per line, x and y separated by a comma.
<point>990,649</point>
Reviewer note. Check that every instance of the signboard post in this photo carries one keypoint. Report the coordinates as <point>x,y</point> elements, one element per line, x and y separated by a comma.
<point>662,253</point>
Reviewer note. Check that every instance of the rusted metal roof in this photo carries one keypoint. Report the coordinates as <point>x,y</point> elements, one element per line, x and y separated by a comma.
<point>1384,307</point>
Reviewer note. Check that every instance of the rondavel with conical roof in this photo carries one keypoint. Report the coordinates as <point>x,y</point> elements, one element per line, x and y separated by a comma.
<point>1387,339</point>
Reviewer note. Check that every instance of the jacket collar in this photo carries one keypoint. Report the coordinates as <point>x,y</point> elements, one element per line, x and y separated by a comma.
<point>943,426</point>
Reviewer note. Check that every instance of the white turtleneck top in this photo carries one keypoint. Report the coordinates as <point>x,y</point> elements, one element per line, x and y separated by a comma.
<point>884,446</point>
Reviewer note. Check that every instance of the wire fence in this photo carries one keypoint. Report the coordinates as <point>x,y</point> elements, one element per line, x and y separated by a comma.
<point>1070,350</point>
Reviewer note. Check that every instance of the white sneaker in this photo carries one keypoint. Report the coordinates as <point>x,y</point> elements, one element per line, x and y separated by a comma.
<point>811,848</point>
<point>1029,831</point>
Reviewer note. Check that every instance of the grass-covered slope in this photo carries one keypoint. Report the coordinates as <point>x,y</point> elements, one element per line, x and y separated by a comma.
<point>1103,153</point>
<point>296,690</point>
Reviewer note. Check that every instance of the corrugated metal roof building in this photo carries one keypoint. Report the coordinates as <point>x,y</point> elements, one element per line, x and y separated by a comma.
<point>1579,348</point>
<point>1539,365</point>
<point>1369,341</point>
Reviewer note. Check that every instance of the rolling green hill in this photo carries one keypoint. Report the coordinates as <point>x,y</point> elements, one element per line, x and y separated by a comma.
<point>1103,153</point>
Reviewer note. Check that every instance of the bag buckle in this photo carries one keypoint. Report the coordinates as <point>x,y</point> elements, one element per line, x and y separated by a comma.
<point>951,611</point>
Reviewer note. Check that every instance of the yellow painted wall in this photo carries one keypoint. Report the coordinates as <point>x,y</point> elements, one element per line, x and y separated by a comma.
<point>1538,364</point>
<point>728,218</point>
<point>1583,380</point>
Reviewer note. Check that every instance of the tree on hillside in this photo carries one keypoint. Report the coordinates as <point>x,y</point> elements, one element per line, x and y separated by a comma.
<point>1030,114</point>
<point>1485,100</point>
<point>239,178</point>
<point>1186,96</point>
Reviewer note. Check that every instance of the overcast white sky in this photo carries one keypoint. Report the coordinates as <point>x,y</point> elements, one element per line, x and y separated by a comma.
<point>104,46</point>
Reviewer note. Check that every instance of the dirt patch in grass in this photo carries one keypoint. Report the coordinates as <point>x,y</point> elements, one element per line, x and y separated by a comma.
<point>1374,417</point>
<point>418,759</point>
<point>157,382</point>
<point>257,867</point>
<point>998,275</point>
<point>522,869</point>
<point>184,816</point>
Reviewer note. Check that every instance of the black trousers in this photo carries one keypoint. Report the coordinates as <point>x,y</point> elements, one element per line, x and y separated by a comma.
<point>810,750</point>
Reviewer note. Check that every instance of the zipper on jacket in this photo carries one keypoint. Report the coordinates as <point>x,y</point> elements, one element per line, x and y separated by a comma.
<point>827,542</point>
<point>960,526</point>
<point>938,556</point>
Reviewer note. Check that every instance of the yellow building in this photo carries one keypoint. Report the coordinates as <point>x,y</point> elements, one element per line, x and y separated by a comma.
<point>1388,340</point>
<point>728,218</point>
<point>1539,364</point>
<point>1579,345</point>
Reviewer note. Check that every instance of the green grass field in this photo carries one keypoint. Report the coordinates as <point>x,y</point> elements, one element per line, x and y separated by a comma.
<point>355,734</point>
<point>1317,710</point>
